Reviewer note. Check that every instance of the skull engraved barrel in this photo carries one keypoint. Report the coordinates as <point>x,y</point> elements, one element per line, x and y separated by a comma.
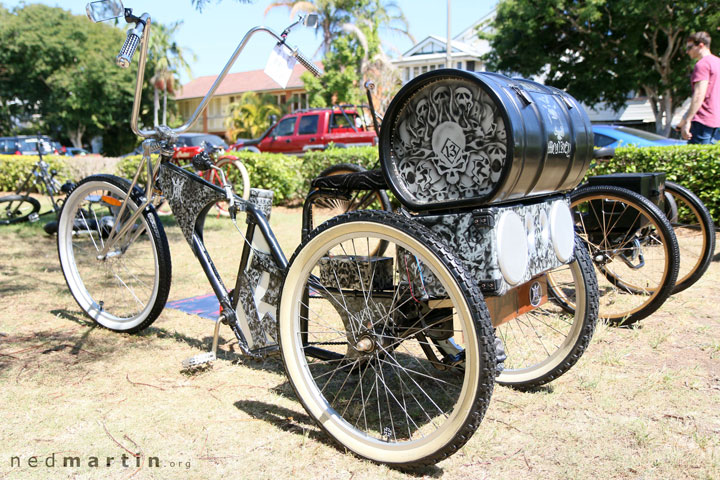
<point>452,138</point>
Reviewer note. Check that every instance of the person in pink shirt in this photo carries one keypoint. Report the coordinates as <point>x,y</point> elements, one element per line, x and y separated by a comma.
<point>701,123</point>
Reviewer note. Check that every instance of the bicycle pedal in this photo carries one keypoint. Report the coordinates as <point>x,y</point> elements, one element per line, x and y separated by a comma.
<point>34,217</point>
<point>200,359</point>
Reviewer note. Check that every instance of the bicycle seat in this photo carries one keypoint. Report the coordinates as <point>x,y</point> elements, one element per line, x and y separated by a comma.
<point>348,182</point>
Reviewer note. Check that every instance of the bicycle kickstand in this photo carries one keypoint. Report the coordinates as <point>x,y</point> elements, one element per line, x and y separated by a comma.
<point>205,357</point>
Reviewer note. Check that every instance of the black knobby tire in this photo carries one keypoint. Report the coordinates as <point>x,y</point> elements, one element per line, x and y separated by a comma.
<point>127,290</point>
<point>546,342</point>
<point>466,379</point>
<point>695,232</point>
<point>633,247</point>
<point>17,208</point>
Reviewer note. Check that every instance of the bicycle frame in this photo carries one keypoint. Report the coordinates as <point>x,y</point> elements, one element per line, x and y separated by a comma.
<point>161,137</point>
<point>40,174</point>
<point>190,198</point>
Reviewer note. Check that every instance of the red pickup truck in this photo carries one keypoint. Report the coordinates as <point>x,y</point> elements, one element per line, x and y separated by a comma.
<point>314,129</point>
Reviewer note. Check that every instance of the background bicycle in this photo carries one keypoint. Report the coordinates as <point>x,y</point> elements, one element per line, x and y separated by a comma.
<point>20,206</point>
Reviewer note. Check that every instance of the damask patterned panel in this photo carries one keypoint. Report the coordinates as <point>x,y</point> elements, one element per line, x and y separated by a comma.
<point>187,195</point>
<point>354,272</point>
<point>472,237</point>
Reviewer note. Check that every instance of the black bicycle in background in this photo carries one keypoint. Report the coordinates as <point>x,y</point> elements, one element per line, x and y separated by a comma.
<point>20,206</point>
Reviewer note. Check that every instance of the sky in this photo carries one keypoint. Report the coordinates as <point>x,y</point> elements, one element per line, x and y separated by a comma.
<point>214,34</point>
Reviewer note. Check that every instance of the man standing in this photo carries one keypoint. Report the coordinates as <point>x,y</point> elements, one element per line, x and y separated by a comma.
<point>701,123</point>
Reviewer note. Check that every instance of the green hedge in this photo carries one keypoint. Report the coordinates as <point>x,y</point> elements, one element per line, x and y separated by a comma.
<point>15,168</point>
<point>696,167</point>
<point>316,162</point>
<point>271,171</point>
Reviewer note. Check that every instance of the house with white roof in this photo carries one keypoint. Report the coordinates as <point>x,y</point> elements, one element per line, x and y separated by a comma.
<point>431,53</point>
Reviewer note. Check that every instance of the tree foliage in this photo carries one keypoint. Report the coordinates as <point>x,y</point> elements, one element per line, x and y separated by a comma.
<point>200,4</point>
<point>58,70</point>
<point>604,50</point>
<point>351,47</point>
<point>250,116</point>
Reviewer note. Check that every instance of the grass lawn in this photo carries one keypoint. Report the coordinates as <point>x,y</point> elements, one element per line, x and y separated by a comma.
<point>642,402</point>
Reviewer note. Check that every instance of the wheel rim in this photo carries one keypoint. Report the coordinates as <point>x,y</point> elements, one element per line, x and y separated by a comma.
<point>15,209</point>
<point>692,236</point>
<point>600,221</point>
<point>539,341</point>
<point>118,292</point>
<point>364,398</point>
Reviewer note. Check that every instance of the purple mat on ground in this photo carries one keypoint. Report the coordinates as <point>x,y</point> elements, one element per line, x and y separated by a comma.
<point>206,306</point>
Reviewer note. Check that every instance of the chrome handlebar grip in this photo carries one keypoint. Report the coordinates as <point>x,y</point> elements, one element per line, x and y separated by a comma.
<point>127,51</point>
<point>305,62</point>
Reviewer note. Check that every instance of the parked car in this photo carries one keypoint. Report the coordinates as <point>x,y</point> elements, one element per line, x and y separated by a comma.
<point>74,151</point>
<point>25,145</point>
<point>314,129</point>
<point>613,136</point>
<point>190,144</point>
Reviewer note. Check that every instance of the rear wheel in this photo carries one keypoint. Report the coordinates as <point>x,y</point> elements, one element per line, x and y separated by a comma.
<point>545,342</point>
<point>633,248</point>
<point>393,356</point>
<point>17,208</point>
<point>695,233</point>
<point>126,289</point>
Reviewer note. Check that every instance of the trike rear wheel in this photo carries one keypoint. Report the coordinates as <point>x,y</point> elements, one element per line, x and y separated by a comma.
<point>633,248</point>
<point>393,356</point>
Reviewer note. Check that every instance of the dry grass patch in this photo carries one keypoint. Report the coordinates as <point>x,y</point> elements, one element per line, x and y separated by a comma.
<point>641,403</point>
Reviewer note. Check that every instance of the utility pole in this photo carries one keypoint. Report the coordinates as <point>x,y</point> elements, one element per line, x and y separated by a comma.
<point>448,46</point>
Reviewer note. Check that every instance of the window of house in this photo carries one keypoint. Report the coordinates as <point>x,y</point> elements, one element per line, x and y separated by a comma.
<point>308,125</point>
<point>470,65</point>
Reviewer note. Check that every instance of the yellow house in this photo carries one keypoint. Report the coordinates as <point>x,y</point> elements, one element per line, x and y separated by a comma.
<point>230,90</point>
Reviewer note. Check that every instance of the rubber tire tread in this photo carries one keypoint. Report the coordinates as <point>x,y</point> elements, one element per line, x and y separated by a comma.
<point>653,212</point>
<point>476,305</point>
<point>19,198</point>
<point>592,299</point>
<point>707,221</point>
<point>156,230</point>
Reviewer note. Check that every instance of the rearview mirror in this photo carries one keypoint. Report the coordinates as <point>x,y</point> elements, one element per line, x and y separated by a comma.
<point>104,10</point>
<point>311,20</point>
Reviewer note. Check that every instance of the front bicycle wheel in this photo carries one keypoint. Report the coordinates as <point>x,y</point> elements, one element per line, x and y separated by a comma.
<point>17,208</point>
<point>548,340</point>
<point>126,289</point>
<point>633,248</point>
<point>695,233</point>
<point>392,355</point>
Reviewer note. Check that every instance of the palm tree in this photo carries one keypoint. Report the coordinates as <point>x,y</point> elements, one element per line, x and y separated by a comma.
<point>251,115</point>
<point>335,16</point>
<point>168,59</point>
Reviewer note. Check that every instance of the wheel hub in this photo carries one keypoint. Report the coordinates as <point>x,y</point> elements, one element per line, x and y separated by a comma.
<point>365,344</point>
